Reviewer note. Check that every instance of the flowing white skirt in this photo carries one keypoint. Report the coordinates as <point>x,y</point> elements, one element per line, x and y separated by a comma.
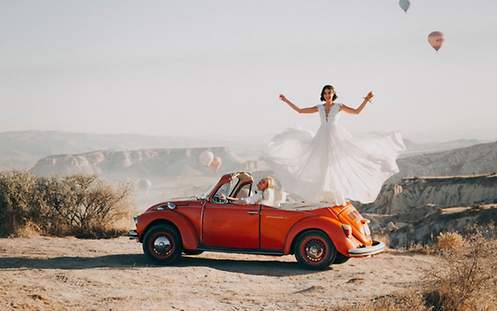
<point>333,166</point>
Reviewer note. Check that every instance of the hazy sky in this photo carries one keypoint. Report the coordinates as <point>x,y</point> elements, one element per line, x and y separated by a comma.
<point>215,68</point>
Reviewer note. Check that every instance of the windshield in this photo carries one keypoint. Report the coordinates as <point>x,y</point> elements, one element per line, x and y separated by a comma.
<point>227,188</point>
<point>203,195</point>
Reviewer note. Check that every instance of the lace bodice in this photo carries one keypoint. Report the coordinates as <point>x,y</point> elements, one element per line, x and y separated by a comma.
<point>331,118</point>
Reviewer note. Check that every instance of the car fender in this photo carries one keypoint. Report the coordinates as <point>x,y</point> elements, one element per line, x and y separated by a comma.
<point>189,236</point>
<point>332,227</point>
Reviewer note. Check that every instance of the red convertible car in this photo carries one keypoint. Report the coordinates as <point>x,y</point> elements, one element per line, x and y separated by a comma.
<point>318,236</point>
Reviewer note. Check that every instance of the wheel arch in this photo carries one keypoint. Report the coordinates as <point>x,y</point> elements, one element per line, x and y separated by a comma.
<point>292,247</point>
<point>332,228</point>
<point>188,234</point>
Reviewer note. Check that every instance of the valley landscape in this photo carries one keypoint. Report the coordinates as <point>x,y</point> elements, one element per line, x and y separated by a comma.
<point>443,191</point>
<point>119,119</point>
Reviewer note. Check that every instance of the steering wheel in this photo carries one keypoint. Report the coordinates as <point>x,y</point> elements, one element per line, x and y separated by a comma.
<point>218,200</point>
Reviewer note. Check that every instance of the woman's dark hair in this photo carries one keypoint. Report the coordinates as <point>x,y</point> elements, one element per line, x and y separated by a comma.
<point>328,87</point>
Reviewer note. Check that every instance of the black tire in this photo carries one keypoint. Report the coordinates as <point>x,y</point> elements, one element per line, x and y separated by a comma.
<point>162,244</point>
<point>314,250</point>
<point>340,259</point>
<point>192,252</point>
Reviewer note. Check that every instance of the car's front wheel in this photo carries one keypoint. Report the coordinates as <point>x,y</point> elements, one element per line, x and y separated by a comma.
<point>162,244</point>
<point>314,250</point>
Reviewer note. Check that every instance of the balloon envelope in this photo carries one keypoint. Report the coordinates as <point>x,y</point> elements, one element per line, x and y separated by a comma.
<point>404,4</point>
<point>216,164</point>
<point>436,39</point>
<point>206,157</point>
<point>144,184</point>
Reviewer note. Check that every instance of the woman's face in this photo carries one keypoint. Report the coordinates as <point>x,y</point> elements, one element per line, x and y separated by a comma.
<point>262,184</point>
<point>328,94</point>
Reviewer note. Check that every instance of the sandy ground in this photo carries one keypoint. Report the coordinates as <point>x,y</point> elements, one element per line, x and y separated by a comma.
<point>42,273</point>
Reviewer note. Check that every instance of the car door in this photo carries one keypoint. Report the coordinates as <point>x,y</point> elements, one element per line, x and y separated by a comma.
<point>231,226</point>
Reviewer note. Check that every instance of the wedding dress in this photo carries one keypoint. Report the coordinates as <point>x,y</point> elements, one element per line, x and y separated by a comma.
<point>333,166</point>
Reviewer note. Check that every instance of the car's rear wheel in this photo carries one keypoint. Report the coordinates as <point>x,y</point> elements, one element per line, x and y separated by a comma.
<point>339,259</point>
<point>314,250</point>
<point>162,244</point>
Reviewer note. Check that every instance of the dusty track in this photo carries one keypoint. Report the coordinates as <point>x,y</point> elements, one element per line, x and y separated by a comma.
<point>67,273</point>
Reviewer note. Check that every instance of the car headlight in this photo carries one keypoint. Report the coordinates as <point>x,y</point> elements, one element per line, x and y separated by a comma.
<point>135,219</point>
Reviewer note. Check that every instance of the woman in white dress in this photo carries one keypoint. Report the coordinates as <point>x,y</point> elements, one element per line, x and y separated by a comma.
<point>333,166</point>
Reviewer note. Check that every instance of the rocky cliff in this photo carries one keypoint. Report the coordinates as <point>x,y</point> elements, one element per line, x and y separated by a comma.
<point>423,225</point>
<point>411,193</point>
<point>416,210</point>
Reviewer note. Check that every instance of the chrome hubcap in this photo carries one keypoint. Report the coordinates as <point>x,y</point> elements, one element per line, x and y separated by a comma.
<point>162,245</point>
<point>314,250</point>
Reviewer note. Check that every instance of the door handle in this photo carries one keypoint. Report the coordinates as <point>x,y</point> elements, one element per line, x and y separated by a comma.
<point>253,212</point>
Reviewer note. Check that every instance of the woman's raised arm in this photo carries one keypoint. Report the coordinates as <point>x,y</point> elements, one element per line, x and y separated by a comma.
<point>294,107</point>
<point>358,109</point>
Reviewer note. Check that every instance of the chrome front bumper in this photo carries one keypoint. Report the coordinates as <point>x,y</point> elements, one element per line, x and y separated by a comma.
<point>132,234</point>
<point>376,248</point>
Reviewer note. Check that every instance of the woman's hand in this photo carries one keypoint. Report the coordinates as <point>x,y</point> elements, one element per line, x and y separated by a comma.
<point>369,96</point>
<point>283,98</point>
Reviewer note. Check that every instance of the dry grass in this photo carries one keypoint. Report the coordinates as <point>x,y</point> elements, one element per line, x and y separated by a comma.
<point>418,248</point>
<point>29,229</point>
<point>465,279</point>
<point>83,206</point>
<point>414,301</point>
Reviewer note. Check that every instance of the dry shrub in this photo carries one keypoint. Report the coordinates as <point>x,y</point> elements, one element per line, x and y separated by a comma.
<point>466,280</point>
<point>16,201</point>
<point>449,242</point>
<point>83,206</point>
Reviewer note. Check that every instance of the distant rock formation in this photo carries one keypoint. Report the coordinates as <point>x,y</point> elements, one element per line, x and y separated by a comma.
<point>414,148</point>
<point>21,149</point>
<point>476,159</point>
<point>412,193</point>
<point>143,164</point>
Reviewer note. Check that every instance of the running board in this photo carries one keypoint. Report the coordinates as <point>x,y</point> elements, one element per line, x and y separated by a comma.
<point>240,251</point>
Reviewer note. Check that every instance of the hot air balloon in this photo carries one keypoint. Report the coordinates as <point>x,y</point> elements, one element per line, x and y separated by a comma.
<point>404,4</point>
<point>144,185</point>
<point>436,39</point>
<point>216,164</point>
<point>206,157</point>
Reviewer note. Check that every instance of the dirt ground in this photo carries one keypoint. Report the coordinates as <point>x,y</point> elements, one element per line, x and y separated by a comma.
<point>42,273</point>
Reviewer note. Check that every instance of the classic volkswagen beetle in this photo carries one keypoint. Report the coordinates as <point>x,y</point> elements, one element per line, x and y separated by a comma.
<point>318,236</point>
